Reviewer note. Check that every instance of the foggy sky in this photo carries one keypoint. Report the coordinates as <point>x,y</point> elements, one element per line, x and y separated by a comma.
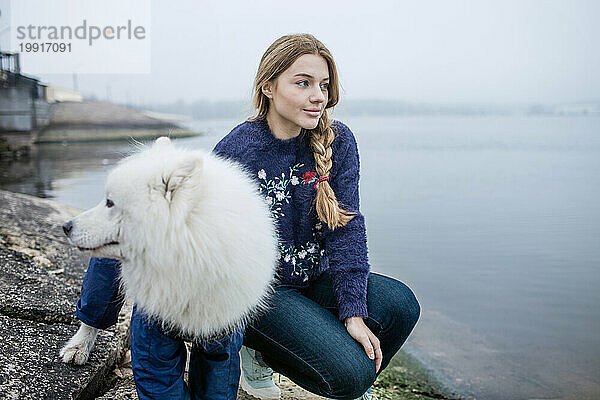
<point>424,51</point>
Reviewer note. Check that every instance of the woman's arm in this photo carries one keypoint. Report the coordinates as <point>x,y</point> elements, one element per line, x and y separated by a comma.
<point>346,247</point>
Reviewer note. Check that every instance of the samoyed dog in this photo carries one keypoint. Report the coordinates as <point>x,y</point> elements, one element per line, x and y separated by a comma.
<point>196,240</point>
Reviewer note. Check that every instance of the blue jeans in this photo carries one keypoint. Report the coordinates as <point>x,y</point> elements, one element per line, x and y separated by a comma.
<point>299,336</point>
<point>158,363</point>
<point>302,337</point>
<point>157,357</point>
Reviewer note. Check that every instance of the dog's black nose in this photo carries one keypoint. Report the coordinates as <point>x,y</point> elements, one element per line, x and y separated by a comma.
<point>68,227</point>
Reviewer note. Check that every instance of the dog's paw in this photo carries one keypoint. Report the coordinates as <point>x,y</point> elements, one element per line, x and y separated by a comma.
<point>78,348</point>
<point>75,354</point>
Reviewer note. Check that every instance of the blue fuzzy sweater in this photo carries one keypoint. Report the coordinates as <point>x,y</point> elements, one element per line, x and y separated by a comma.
<point>285,171</point>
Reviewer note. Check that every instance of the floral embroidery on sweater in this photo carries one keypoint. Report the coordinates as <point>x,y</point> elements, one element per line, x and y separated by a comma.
<point>304,257</point>
<point>276,191</point>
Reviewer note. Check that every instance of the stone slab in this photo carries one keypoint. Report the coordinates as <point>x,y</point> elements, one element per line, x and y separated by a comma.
<point>30,367</point>
<point>40,279</point>
<point>28,291</point>
<point>33,226</point>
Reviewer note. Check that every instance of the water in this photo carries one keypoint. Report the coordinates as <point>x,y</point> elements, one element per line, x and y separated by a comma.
<point>493,222</point>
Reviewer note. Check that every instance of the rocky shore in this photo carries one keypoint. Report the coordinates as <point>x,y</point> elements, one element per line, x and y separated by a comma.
<point>40,279</point>
<point>40,275</point>
<point>94,121</point>
<point>90,121</point>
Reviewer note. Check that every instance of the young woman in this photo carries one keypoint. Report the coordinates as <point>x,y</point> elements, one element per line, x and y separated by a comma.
<point>333,325</point>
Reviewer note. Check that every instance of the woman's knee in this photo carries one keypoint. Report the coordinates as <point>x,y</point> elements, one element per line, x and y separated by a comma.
<point>392,303</point>
<point>408,305</point>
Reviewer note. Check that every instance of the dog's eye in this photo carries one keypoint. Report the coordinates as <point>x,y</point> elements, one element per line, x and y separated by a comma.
<point>109,203</point>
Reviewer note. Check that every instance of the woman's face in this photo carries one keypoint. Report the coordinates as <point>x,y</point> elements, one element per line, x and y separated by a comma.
<point>298,96</point>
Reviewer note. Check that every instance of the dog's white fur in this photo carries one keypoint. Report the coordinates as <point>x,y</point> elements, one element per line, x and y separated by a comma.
<point>196,240</point>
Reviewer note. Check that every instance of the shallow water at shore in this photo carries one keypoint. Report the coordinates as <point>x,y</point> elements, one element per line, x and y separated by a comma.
<point>492,221</point>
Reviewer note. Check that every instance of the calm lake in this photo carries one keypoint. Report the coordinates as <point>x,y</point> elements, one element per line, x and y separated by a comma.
<point>494,222</point>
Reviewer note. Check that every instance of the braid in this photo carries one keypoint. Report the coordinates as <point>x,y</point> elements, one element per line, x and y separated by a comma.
<point>327,206</point>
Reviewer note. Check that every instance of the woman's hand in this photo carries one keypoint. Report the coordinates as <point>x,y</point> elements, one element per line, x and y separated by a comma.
<point>362,334</point>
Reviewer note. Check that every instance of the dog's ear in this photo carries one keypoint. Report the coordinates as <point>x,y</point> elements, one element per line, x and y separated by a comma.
<point>173,179</point>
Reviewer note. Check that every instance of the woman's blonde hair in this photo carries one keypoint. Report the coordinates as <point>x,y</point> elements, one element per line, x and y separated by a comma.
<point>279,57</point>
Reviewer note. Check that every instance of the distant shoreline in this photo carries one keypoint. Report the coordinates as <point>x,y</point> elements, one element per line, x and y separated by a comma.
<point>202,109</point>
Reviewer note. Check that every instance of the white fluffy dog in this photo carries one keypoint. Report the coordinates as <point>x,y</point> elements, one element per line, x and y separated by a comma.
<point>196,241</point>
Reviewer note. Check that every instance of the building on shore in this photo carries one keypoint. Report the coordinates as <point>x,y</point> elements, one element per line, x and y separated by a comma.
<point>23,104</point>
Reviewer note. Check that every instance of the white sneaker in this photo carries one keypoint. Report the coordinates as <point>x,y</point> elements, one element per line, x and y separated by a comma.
<point>368,395</point>
<point>257,378</point>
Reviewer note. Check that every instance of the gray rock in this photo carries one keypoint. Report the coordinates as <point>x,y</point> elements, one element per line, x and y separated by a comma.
<point>123,390</point>
<point>28,291</point>
<point>40,278</point>
<point>30,367</point>
<point>33,226</point>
